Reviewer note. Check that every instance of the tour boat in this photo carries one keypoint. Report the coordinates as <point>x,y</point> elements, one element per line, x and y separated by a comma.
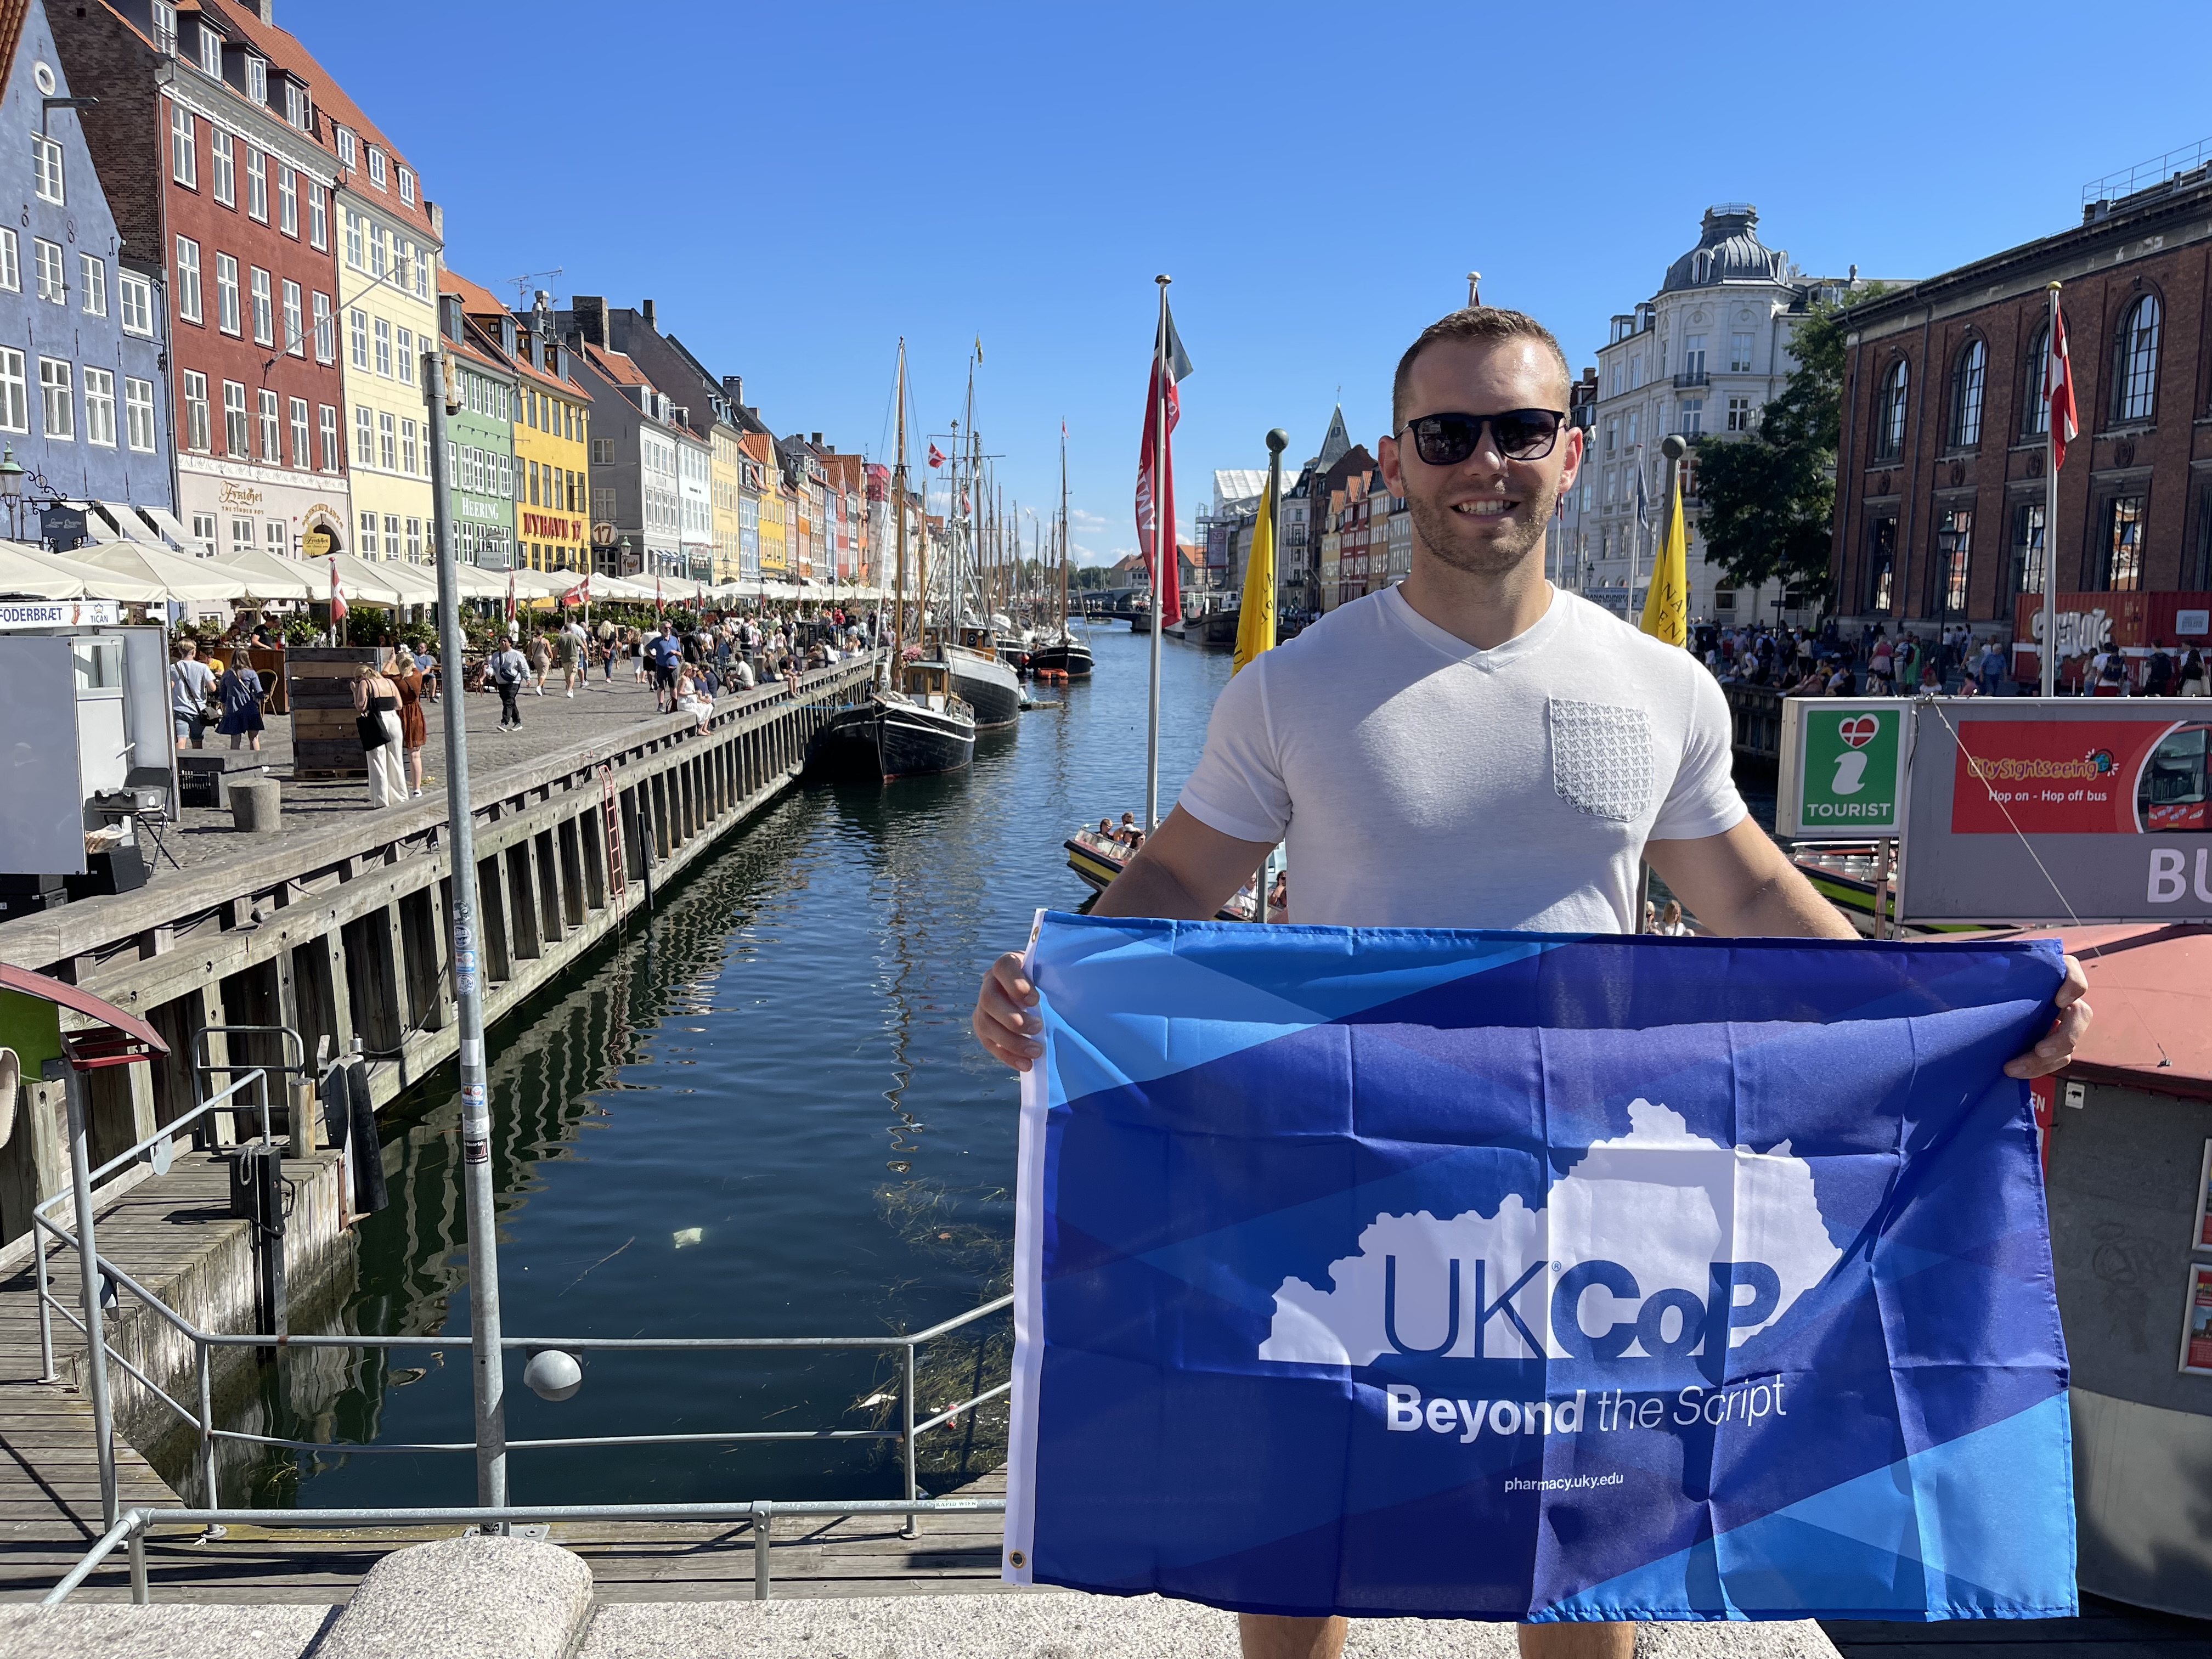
<point>1098,860</point>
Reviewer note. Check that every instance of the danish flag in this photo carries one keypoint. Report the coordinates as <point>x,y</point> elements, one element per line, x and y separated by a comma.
<point>2059,384</point>
<point>936,456</point>
<point>338,595</point>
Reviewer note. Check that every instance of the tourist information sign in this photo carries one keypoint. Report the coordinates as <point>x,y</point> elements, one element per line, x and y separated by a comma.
<point>1842,776</point>
<point>2088,809</point>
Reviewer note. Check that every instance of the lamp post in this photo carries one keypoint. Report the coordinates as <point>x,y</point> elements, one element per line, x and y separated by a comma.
<point>11,490</point>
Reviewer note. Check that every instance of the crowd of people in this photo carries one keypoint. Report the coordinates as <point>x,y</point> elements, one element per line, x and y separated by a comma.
<point>1800,662</point>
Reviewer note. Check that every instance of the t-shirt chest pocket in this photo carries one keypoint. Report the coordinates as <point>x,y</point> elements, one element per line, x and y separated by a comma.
<point>1602,758</point>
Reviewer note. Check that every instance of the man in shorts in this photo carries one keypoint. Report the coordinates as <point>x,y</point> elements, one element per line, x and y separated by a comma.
<point>191,683</point>
<point>1471,749</point>
<point>665,654</point>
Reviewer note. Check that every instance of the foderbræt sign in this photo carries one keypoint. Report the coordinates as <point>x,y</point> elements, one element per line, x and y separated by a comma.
<point>1842,776</point>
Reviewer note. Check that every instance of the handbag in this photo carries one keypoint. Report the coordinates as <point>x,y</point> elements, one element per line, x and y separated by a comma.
<point>372,730</point>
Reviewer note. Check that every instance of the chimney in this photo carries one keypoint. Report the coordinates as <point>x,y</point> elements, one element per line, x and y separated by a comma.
<point>590,311</point>
<point>735,385</point>
<point>541,314</point>
<point>265,11</point>
<point>818,441</point>
<point>645,310</point>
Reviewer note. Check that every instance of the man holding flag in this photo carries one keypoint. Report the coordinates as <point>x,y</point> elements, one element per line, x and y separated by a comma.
<point>1473,748</point>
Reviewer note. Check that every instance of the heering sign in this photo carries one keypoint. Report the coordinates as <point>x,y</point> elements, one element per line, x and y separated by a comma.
<point>2089,807</point>
<point>1841,776</point>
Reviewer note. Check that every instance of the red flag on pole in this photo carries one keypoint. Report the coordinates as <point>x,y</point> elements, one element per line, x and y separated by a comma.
<point>2059,386</point>
<point>656,596</point>
<point>936,456</point>
<point>580,594</point>
<point>510,595</point>
<point>1170,366</point>
<point>338,595</point>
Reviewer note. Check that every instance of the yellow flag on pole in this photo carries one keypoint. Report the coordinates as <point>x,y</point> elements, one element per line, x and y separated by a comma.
<point>1667,601</point>
<point>1256,625</point>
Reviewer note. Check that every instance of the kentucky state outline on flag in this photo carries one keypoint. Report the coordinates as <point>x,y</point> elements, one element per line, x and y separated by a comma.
<point>1530,1276</point>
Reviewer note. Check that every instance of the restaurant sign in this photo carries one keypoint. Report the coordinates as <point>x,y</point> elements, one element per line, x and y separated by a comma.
<point>59,613</point>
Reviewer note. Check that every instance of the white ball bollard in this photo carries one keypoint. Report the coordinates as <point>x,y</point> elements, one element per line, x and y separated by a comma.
<point>553,1374</point>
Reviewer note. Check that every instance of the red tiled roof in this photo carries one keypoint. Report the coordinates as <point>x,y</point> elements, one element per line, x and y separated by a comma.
<point>475,299</point>
<point>615,365</point>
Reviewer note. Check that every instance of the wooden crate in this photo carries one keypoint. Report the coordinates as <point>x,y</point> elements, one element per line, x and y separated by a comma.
<point>319,687</point>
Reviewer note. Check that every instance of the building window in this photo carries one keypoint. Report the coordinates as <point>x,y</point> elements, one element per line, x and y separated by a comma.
<point>15,392</point>
<point>2135,373</point>
<point>203,534</point>
<point>378,263</point>
<point>279,537</point>
<point>326,423</point>
<point>1739,415</point>
<point>402,263</point>
<point>256,79</point>
<point>387,444</point>
<point>369,535</point>
<point>295,329</point>
<point>1612,432</point>
<point>2027,555</point>
<point>226,293</point>
<point>223,167</point>
<point>413,541</point>
<point>2035,414</point>
<point>210,50</point>
<point>1954,543</point>
<point>52,285</point>
<point>391,536</point>
<point>299,110</point>
<point>99,407</point>
<point>1882,563</point>
<point>11,273</point>
<point>58,399</point>
<point>1739,354</point>
<point>2121,568</point>
<point>319,217</point>
<point>298,411</point>
<point>288,200</point>
<point>1693,357</point>
<point>92,279</point>
<point>1889,411</point>
<point>196,411</point>
<point>47,168</point>
<point>408,452</point>
<point>405,351</point>
<point>533,484</point>
<point>183,152</point>
<point>357,331</point>
<point>603,452</point>
<point>272,435</point>
<point>265,313</point>
<point>234,420</point>
<point>165,27</point>
<point>242,535</point>
<point>346,152</point>
<point>423,257</point>
<point>1694,415</point>
<point>1632,428</point>
<point>188,279</point>
<point>257,186</point>
<point>138,414</point>
<point>364,435</point>
<point>354,229</point>
<point>1967,374</point>
<point>137,303</point>
<point>384,348</point>
<point>407,185</point>
<point>326,333</point>
<point>375,167</point>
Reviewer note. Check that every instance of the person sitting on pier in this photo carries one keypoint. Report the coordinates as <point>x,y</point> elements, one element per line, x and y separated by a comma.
<point>742,675</point>
<point>692,697</point>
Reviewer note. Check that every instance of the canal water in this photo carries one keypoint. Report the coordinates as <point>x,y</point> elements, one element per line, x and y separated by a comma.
<point>763,1116</point>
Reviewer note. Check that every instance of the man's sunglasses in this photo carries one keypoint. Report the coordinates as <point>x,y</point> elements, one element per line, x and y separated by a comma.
<point>1522,435</point>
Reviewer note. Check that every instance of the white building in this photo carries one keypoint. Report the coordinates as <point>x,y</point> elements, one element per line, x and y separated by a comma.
<point>1704,355</point>
<point>695,506</point>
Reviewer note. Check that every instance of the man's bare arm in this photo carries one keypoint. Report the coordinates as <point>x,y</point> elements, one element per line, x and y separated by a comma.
<point>1741,884</point>
<point>1185,870</point>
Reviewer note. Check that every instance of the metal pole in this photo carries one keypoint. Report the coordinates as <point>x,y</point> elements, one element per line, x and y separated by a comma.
<point>87,1266</point>
<point>1164,547</point>
<point>906,1407</point>
<point>764,1525</point>
<point>2048,655</point>
<point>475,1111</point>
<point>46,1373</point>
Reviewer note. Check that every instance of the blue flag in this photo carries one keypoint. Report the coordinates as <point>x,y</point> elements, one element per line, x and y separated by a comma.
<point>1528,1276</point>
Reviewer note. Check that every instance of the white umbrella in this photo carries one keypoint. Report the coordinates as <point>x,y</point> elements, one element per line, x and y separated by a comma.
<point>180,578</point>
<point>361,580</point>
<point>24,572</point>
<point>274,577</point>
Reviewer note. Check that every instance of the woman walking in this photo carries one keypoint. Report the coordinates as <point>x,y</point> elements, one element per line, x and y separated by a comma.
<point>239,690</point>
<point>541,662</point>
<point>376,709</point>
<point>414,730</point>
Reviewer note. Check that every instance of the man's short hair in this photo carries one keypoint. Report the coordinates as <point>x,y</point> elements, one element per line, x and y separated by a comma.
<point>1491,325</point>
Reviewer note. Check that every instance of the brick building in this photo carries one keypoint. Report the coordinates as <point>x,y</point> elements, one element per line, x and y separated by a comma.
<point>1941,462</point>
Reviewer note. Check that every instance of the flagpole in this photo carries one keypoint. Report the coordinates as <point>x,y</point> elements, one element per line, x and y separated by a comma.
<point>1163,538</point>
<point>2049,653</point>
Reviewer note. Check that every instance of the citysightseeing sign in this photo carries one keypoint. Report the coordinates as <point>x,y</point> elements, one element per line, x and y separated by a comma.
<point>2013,809</point>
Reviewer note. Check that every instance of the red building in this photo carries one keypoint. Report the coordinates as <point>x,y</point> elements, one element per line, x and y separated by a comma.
<point>1941,493</point>
<point>211,151</point>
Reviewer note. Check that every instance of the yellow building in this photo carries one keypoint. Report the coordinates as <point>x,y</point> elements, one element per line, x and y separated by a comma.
<point>552,447</point>
<point>389,239</point>
<point>727,468</point>
<point>775,549</point>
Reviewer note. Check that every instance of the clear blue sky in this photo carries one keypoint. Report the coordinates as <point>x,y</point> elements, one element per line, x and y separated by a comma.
<point>798,185</point>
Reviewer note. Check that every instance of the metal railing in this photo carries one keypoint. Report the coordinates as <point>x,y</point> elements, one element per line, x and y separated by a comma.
<point>132,1527</point>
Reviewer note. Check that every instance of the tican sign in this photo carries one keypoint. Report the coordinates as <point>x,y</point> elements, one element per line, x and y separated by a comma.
<point>59,613</point>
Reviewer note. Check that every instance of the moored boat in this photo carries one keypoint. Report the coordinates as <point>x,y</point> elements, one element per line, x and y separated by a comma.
<point>916,732</point>
<point>1098,859</point>
<point>989,686</point>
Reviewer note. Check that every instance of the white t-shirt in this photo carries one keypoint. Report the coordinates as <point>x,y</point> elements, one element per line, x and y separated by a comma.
<point>1423,783</point>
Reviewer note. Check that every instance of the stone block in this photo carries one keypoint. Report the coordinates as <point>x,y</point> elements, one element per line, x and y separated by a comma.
<point>89,1630</point>
<point>466,1598</point>
<point>256,807</point>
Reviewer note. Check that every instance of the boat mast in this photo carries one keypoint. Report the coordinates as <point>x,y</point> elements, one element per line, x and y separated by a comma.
<point>1063,533</point>
<point>898,512</point>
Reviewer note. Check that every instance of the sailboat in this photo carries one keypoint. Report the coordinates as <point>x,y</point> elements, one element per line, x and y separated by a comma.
<point>969,649</point>
<point>915,723</point>
<point>1064,652</point>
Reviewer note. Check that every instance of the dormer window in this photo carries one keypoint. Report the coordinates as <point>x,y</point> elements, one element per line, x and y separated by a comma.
<point>346,154</point>
<point>210,52</point>
<point>407,185</point>
<point>165,27</point>
<point>376,166</point>
<point>299,108</point>
<point>256,79</point>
